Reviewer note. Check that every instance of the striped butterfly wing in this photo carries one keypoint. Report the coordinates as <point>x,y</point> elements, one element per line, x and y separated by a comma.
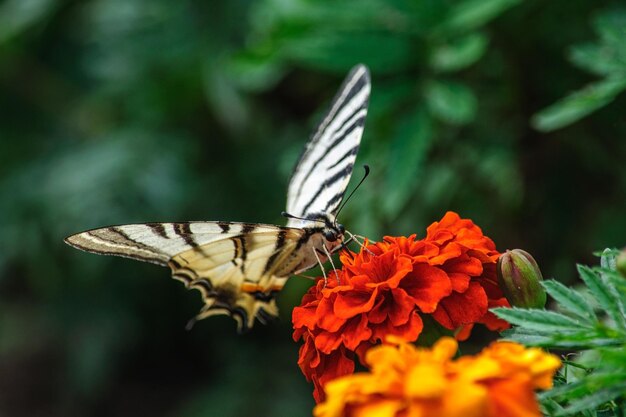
<point>237,267</point>
<point>323,171</point>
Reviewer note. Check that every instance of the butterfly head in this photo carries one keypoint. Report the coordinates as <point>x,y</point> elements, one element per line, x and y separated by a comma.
<point>333,231</point>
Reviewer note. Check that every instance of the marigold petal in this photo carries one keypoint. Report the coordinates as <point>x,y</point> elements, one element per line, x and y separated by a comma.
<point>460,282</point>
<point>462,308</point>
<point>303,317</point>
<point>355,331</point>
<point>408,331</point>
<point>326,342</point>
<point>387,269</point>
<point>426,380</point>
<point>466,400</point>
<point>401,307</point>
<point>493,322</point>
<point>350,303</point>
<point>512,397</point>
<point>464,264</point>
<point>325,317</point>
<point>427,286</point>
<point>450,251</point>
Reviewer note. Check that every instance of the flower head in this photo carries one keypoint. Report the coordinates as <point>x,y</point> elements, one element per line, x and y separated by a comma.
<point>388,287</point>
<point>410,381</point>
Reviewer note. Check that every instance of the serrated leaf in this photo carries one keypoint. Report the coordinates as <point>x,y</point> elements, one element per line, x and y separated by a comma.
<point>570,300</point>
<point>550,407</point>
<point>459,53</point>
<point>539,320</point>
<point>578,104</point>
<point>594,400</point>
<point>619,283</point>
<point>410,144</point>
<point>450,102</point>
<point>560,339</point>
<point>608,259</point>
<point>605,294</point>
<point>569,390</point>
<point>527,339</point>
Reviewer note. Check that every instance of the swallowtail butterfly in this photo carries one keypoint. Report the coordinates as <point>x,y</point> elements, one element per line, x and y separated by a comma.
<point>239,267</point>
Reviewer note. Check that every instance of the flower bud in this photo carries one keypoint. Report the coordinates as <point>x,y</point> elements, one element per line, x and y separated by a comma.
<point>620,263</point>
<point>520,279</point>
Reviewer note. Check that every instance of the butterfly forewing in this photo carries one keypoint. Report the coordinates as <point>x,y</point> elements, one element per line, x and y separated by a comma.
<point>321,176</point>
<point>239,267</point>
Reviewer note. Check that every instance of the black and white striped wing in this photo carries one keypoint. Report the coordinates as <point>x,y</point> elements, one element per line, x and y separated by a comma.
<point>321,176</point>
<point>237,267</point>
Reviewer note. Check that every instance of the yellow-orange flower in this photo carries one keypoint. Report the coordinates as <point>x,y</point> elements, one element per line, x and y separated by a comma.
<point>406,381</point>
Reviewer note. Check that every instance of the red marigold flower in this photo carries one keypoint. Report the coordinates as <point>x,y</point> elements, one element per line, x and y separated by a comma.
<point>386,288</point>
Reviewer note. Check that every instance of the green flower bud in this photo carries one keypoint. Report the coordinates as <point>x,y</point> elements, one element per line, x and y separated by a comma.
<point>620,263</point>
<point>520,279</point>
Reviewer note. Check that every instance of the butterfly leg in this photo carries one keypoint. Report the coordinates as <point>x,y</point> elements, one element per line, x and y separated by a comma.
<point>330,258</point>
<point>319,261</point>
<point>356,238</point>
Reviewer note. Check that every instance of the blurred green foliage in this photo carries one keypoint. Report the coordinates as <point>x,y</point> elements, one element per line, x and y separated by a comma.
<point>605,58</point>
<point>117,112</point>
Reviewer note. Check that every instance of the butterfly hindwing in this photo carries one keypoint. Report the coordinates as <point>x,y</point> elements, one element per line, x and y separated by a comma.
<point>237,267</point>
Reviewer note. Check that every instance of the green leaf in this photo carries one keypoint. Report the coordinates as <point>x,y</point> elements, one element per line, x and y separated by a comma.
<point>471,14</point>
<point>619,283</point>
<point>562,339</point>
<point>459,54</point>
<point>450,102</point>
<point>608,259</point>
<point>410,145</point>
<point>570,300</point>
<point>595,400</point>
<point>605,294</point>
<point>539,320</point>
<point>597,59</point>
<point>578,104</point>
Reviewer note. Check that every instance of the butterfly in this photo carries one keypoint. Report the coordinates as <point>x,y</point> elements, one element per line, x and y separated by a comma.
<point>240,267</point>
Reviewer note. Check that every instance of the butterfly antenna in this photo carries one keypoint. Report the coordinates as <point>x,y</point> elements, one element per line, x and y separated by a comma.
<point>367,172</point>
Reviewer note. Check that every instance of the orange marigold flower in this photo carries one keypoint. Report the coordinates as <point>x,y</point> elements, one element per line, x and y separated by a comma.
<point>410,381</point>
<point>386,289</point>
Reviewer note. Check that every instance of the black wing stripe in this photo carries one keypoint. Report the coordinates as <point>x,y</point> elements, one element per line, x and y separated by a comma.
<point>128,241</point>
<point>102,252</point>
<point>158,229</point>
<point>341,99</point>
<point>337,177</point>
<point>280,242</point>
<point>184,231</point>
<point>348,154</point>
<point>358,123</point>
<point>332,203</point>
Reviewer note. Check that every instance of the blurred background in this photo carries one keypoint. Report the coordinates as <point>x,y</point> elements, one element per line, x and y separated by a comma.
<point>509,112</point>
